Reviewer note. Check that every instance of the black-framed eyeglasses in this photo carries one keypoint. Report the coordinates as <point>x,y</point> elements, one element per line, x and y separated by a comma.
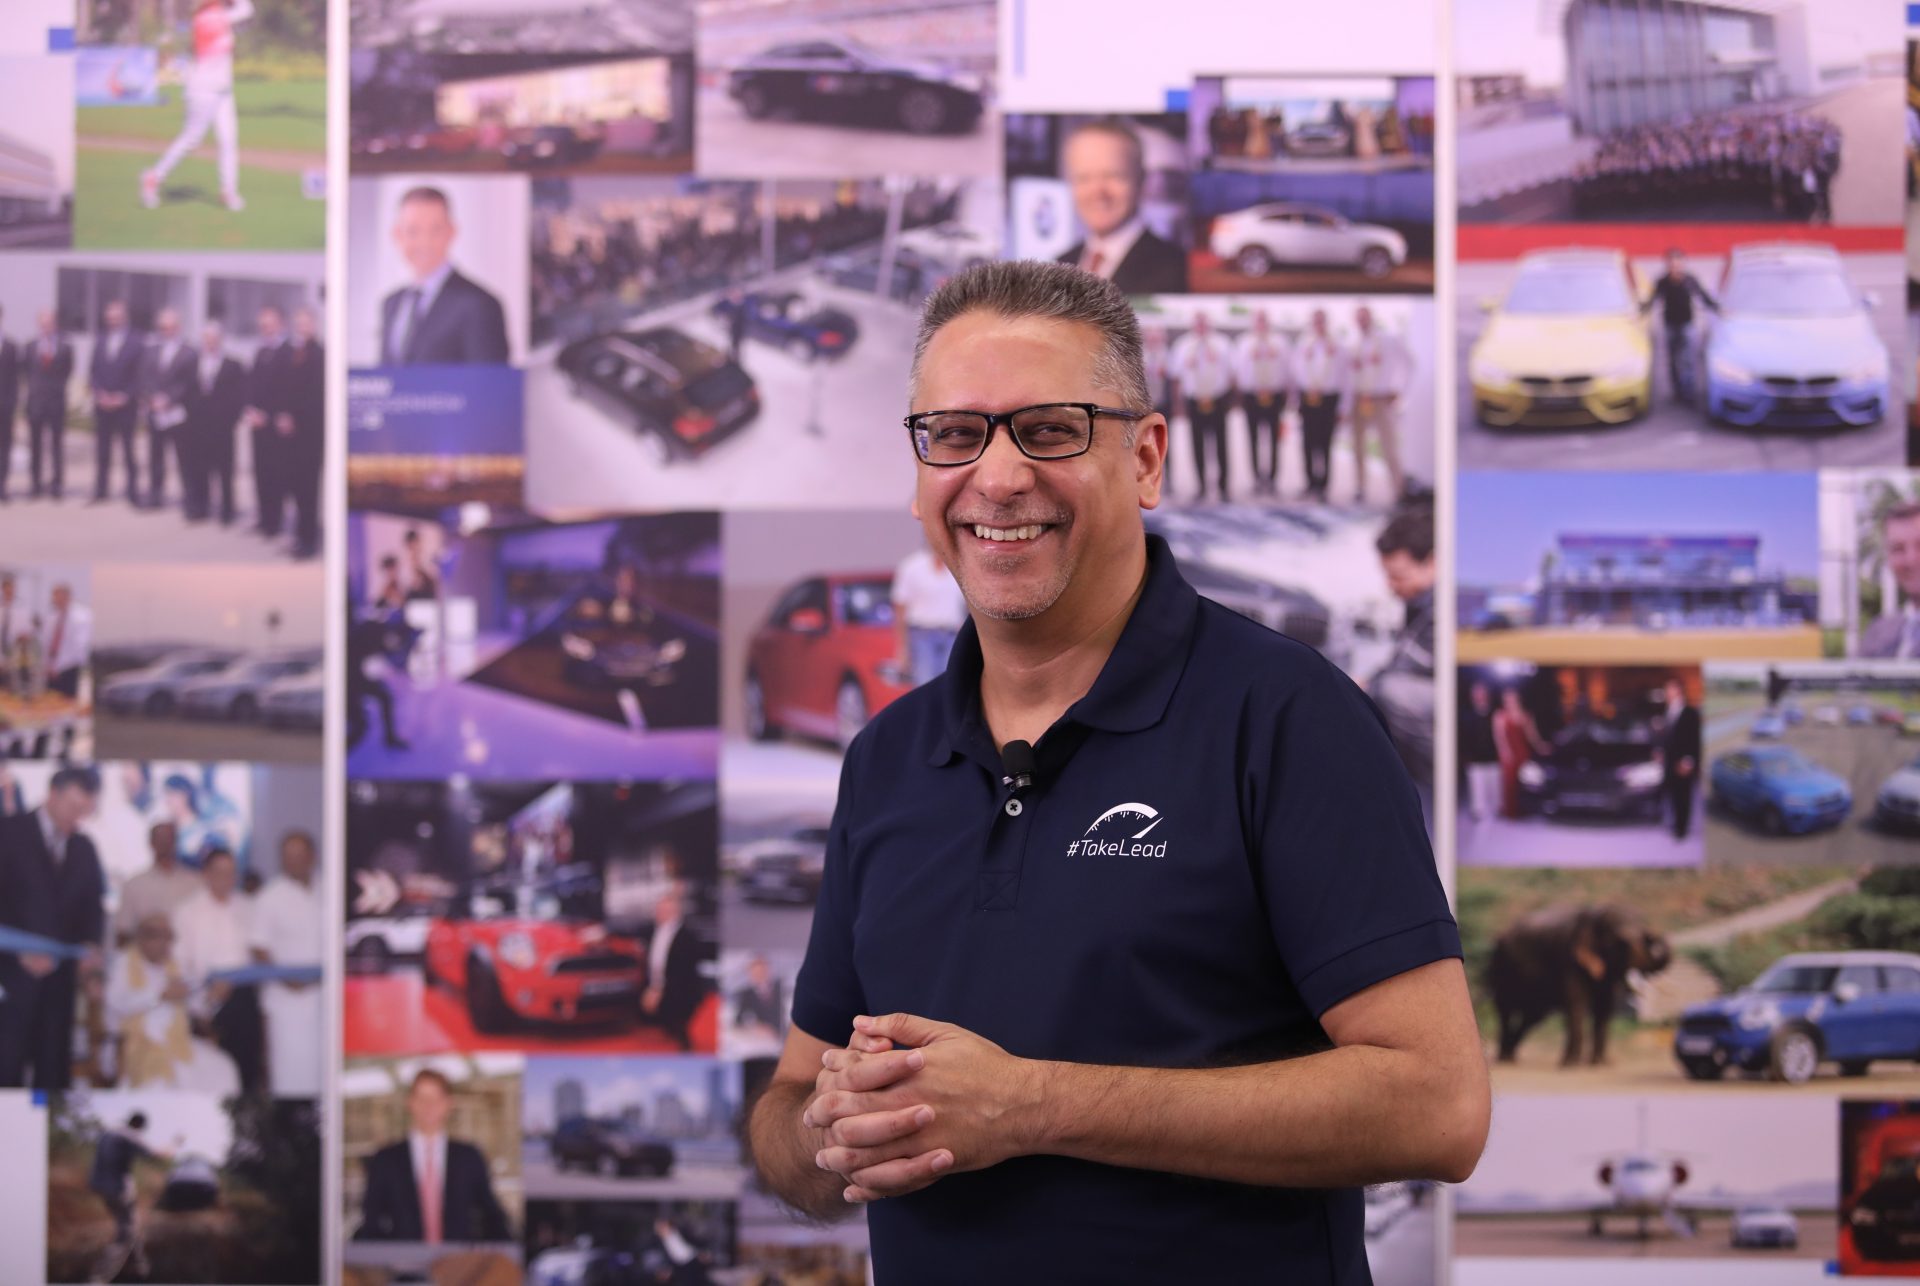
<point>1046,431</point>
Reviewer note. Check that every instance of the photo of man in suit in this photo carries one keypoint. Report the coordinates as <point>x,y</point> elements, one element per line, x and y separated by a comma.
<point>674,987</point>
<point>1680,758</point>
<point>49,368</point>
<point>114,376</point>
<point>215,401</point>
<point>11,373</point>
<point>441,317</point>
<point>427,1187</point>
<point>52,885</point>
<point>1105,168</point>
<point>166,371</point>
<point>266,402</point>
<point>1897,632</point>
<point>300,429</point>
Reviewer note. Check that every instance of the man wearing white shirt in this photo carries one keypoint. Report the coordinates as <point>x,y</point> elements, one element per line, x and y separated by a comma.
<point>1897,632</point>
<point>158,890</point>
<point>1261,360</point>
<point>146,1008</point>
<point>1202,365</point>
<point>1382,370</point>
<point>1105,168</point>
<point>928,611</point>
<point>286,931</point>
<point>1320,372</point>
<point>69,641</point>
<point>213,931</point>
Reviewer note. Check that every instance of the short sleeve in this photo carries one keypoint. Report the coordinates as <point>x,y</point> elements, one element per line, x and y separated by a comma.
<point>1345,867</point>
<point>826,993</point>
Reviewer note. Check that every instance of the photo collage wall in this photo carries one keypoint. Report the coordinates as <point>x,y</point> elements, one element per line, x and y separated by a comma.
<point>164,1052</point>
<point>1549,368</point>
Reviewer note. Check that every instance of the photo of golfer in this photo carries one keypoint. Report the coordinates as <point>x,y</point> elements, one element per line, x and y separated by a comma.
<point>209,90</point>
<point>201,125</point>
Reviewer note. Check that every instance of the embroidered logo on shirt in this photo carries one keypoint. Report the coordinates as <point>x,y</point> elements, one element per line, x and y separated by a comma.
<point>1118,833</point>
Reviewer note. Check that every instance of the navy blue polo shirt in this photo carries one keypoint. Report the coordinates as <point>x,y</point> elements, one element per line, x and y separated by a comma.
<point>1219,845</point>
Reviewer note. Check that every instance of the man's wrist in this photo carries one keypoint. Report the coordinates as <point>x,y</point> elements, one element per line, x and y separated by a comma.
<point>1039,1119</point>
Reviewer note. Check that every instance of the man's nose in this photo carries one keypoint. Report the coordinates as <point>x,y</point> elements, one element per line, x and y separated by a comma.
<point>1002,470</point>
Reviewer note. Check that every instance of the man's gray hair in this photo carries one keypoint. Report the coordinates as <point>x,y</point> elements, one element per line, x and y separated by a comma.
<point>1056,291</point>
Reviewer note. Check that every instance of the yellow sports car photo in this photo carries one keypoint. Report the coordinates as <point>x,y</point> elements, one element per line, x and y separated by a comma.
<point>1568,346</point>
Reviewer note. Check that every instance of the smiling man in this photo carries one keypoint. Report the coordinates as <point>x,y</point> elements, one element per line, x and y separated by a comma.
<point>1106,170</point>
<point>1158,996</point>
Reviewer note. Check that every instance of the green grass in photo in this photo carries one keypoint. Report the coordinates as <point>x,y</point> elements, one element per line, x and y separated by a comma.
<point>107,214</point>
<point>275,116</point>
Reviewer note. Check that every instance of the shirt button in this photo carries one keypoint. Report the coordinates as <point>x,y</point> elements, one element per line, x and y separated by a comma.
<point>1013,807</point>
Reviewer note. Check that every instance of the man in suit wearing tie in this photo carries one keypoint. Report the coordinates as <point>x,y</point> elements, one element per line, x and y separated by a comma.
<point>1680,757</point>
<point>11,373</point>
<point>49,368</point>
<point>51,884</point>
<point>166,370</point>
<point>1105,168</point>
<point>1897,632</point>
<point>114,375</point>
<point>14,621</point>
<point>442,317</point>
<point>69,641</point>
<point>427,1187</point>
<point>674,986</point>
<point>215,402</point>
<point>300,429</point>
<point>266,402</point>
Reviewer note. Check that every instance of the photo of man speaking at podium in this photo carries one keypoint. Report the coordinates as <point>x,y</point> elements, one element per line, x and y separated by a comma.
<point>428,1187</point>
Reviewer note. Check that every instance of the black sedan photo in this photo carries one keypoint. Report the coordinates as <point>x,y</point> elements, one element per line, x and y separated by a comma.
<point>838,79</point>
<point>1598,769</point>
<point>665,383</point>
<point>786,319</point>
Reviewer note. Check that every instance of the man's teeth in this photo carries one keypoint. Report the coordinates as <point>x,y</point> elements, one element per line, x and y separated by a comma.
<point>1008,533</point>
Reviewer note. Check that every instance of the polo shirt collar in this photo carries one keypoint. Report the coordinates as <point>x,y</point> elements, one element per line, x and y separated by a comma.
<point>1134,686</point>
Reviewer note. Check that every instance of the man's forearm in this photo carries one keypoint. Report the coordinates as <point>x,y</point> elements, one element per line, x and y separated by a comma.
<point>784,1154</point>
<point>1354,1115</point>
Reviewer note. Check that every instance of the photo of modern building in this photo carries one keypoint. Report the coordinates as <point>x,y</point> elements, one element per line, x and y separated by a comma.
<point>1716,110</point>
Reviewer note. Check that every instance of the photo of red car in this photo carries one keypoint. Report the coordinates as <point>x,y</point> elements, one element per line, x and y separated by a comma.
<point>826,660</point>
<point>516,956</point>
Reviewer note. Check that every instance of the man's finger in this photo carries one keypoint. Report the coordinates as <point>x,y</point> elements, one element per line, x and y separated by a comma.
<point>897,1178</point>
<point>902,1029</point>
<point>845,1162</point>
<point>870,1129</point>
<point>865,1044</point>
<point>864,1072</point>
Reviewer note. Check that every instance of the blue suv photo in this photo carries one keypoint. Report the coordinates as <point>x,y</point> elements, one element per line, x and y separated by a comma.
<point>1844,1007</point>
<point>1780,789</point>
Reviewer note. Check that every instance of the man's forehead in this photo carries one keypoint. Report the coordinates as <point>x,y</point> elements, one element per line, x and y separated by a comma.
<point>984,358</point>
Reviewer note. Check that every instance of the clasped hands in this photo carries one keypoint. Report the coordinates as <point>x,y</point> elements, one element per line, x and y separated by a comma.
<point>891,1120</point>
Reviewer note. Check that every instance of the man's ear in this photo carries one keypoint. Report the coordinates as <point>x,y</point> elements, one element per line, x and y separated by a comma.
<point>913,504</point>
<point>1150,458</point>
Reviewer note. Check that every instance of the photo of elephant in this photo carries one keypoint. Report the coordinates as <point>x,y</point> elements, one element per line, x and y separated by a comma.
<point>1574,960</point>
<point>1628,980</point>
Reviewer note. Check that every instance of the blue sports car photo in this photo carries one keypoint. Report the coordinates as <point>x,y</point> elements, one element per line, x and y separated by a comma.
<point>1779,789</point>
<point>786,319</point>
